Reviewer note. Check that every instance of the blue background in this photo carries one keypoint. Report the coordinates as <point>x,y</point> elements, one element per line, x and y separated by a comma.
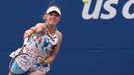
<point>89,47</point>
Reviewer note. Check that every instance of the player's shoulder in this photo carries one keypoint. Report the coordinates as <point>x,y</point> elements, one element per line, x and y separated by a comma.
<point>59,34</point>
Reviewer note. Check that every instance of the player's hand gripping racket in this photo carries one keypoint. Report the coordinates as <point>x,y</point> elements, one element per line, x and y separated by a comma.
<point>21,63</point>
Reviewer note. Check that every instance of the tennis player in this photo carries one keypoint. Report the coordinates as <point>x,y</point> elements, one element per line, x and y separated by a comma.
<point>39,45</point>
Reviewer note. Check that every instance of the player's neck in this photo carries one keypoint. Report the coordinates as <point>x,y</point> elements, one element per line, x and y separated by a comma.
<point>51,29</point>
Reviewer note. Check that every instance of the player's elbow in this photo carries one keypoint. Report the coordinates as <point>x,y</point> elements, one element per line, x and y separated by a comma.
<point>50,59</point>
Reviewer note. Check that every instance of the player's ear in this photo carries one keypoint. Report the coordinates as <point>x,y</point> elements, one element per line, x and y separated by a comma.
<point>59,19</point>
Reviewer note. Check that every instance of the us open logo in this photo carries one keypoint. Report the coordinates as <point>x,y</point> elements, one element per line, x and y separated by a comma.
<point>107,6</point>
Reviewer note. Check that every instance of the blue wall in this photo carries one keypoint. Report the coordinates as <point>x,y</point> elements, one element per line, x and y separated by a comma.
<point>90,47</point>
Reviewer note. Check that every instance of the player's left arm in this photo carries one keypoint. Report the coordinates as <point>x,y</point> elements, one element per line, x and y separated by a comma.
<point>52,56</point>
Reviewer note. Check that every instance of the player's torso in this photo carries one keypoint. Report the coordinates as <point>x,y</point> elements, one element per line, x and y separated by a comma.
<point>41,45</point>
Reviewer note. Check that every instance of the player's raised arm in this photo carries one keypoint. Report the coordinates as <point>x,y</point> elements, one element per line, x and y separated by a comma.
<point>38,28</point>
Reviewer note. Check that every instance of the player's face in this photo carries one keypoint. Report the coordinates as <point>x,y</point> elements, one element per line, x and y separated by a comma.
<point>53,18</point>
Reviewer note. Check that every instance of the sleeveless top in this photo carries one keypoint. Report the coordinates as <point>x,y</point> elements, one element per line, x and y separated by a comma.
<point>42,44</point>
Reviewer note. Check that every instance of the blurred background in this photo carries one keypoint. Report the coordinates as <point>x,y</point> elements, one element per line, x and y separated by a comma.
<point>89,47</point>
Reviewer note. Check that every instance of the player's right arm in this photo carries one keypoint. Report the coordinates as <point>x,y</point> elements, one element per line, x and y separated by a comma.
<point>35,29</point>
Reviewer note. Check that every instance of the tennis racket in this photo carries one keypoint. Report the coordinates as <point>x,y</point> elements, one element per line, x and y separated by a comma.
<point>21,63</point>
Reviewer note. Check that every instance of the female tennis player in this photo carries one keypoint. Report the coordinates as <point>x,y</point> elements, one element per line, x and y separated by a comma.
<point>44,41</point>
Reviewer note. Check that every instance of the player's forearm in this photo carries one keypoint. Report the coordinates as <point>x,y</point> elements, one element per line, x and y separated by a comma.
<point>30,31</point>
<point>33,29</point>
<point>49,60</point>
